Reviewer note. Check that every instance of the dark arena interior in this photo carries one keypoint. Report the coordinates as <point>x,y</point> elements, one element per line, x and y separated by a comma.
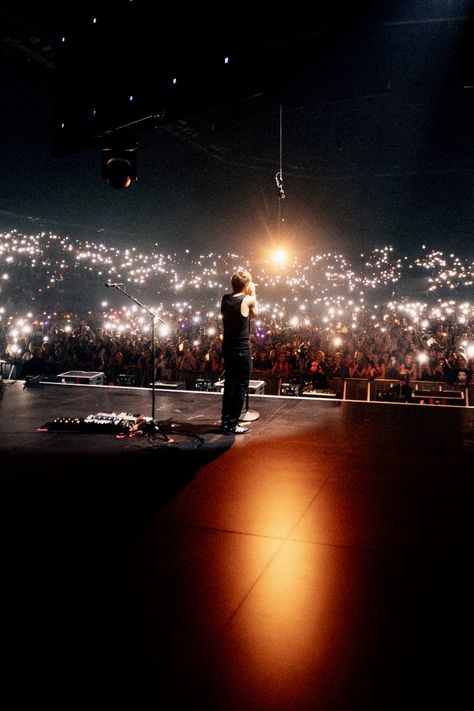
<point>151,560</point>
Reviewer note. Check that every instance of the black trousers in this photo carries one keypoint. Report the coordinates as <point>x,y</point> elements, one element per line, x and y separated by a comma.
<point>237,364</point>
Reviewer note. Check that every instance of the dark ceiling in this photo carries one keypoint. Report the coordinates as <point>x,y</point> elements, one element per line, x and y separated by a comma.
<point>383,87</point>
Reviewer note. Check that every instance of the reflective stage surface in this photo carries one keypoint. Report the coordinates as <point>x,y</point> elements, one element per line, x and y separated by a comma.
<point>319,563</point>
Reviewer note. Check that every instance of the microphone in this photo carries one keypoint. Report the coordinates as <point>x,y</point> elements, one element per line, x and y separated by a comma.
<point>109,283</point>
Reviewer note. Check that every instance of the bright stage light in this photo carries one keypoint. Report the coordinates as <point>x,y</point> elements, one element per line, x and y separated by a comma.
<point>279,257</point>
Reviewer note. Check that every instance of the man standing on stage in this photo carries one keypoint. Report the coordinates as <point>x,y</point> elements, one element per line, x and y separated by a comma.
<point>236,310</point>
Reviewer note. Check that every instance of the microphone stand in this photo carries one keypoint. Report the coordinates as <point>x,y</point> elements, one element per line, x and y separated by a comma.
<point>249,415</point>
<point>153,316</point>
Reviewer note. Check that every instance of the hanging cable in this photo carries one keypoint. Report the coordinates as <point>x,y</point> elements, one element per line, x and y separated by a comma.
<point>279,175</point>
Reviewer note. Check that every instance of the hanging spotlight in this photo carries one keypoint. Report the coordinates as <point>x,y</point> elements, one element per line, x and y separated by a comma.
<point>119,164</point>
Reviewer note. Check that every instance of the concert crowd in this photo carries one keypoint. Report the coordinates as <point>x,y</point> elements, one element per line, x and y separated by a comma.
<point>320,318</point>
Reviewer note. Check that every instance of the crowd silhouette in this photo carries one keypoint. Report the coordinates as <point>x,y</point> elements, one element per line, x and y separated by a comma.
<point>313,354</point>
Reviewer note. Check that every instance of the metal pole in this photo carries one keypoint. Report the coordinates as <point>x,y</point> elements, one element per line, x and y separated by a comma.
<point>249,415</point>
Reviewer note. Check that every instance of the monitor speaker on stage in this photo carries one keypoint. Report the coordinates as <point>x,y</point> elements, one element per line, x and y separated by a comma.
<point>256,387</point>
<point>203,385</point>
<point>169,385</point>
<point>82,377</point>
<point>124,379</point>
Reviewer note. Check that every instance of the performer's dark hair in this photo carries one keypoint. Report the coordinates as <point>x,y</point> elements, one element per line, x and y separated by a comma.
<point>239,279</point>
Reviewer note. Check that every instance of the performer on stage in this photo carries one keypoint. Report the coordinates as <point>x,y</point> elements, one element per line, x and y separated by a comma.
<point>236,310</point>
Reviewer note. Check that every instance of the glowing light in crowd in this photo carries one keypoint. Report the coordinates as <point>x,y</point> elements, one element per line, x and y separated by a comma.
<point>331,294</point>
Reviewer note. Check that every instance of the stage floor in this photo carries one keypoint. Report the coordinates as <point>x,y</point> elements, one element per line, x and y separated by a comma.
<point>319,563</point>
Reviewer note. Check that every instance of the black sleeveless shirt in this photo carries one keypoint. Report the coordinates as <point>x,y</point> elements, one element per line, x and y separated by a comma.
<point>236,326</point>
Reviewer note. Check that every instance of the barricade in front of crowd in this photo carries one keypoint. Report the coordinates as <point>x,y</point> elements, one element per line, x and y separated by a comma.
<point>470,395</point>
<point>423,392</point>
<point>437,393</point>
<point>356,389</point>
<point>337,386</point>
<point>382,388</point>
<point>378,389</point>
<point>272,382</point>
<point>8,370</point>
